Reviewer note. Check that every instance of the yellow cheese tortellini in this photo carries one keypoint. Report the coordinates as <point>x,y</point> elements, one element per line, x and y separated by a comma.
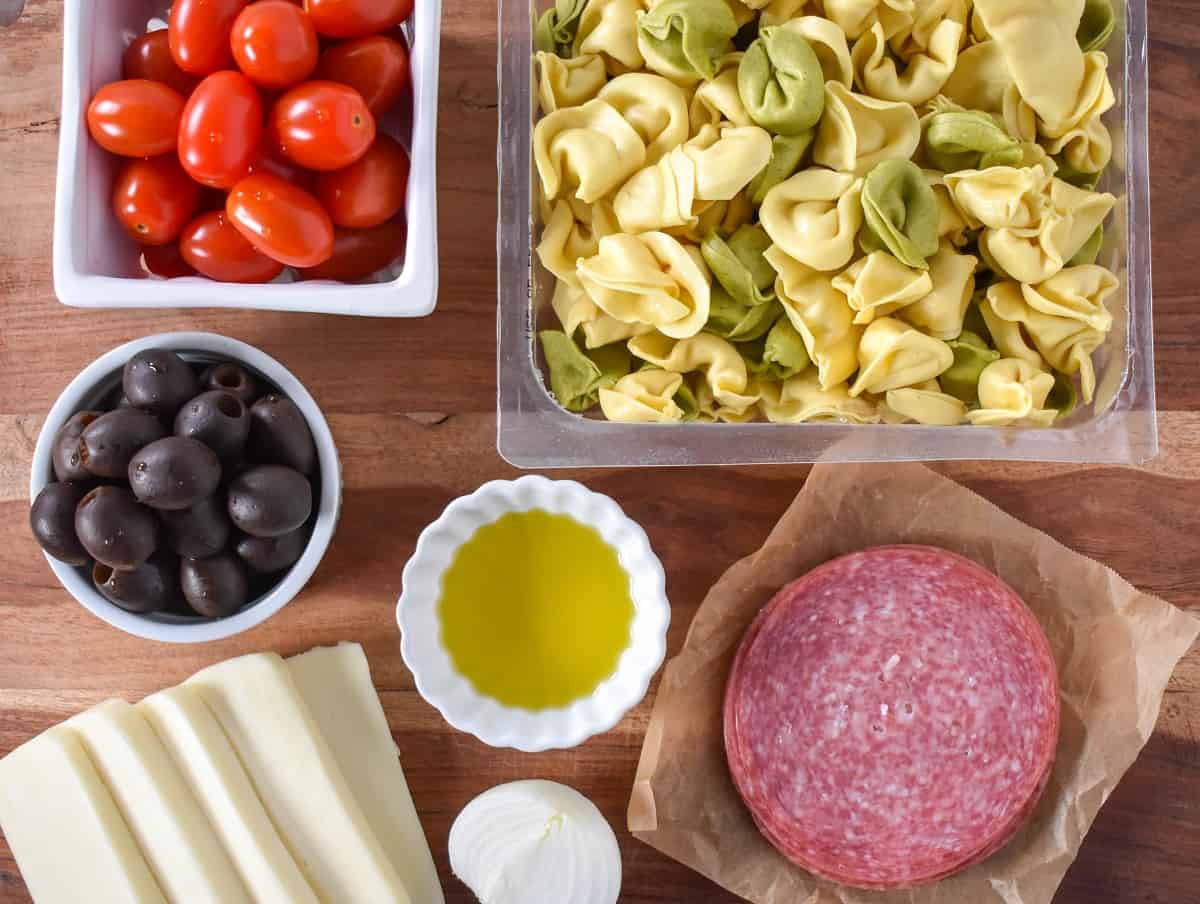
<point>645,397</point>
<point>588,150</point>
<point>804,398</point>
<point>569,82</point>
<point>726,160</point>
<point>814,217</point>
<point>821,315</point>
<point>573,230</point>
<point>718,361</point>
<point>1065,343</point>
<point>1013,391</point>
<point>891,354</point>
<point>926,404</point>
<point>656,107</point>
<point>1076,293</point>
<point>1001,196</point>
<point>857,132</point>
<point>878,285</point>
<point>608,28</point>
<point>717,100</point>
<point>1082,139</point>
<point>941,310</point>
<point>829,43</point>
<point>925,73</point>
<point>979,79</point>
<point>575,311</point>
<point>855,17</point>
<point>650,279</point>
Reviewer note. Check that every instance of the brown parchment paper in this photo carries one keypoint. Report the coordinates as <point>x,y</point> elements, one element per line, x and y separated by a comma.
<point>1115,646</point>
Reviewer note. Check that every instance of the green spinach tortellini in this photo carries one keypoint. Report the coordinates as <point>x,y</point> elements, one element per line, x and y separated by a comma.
<point>786,153</point>
<point>968,140</point>
<point>900,213</point>
<point>781,82</point>
<point>555,31</point>
<point>971,356</point>
<point>685,39</point>
<point>576,377</point>
<point>739,266</point>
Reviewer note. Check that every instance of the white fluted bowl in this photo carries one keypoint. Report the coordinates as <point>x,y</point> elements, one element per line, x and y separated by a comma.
<point>440,683</point>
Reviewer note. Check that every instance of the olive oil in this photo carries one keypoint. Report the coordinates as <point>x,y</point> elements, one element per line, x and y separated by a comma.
<point>535,610</point>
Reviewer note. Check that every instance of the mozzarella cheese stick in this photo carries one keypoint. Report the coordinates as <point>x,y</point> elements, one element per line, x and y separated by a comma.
<point>183,851</point>
<point>202,752</point>
<point>298,779</point>
<point>65,830</point>
<point>336,684</point>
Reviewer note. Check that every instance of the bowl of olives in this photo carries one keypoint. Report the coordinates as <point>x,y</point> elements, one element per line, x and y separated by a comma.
<point>185,487</point>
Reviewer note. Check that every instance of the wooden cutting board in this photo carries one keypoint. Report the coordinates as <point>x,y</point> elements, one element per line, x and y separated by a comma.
<point>412,407</point>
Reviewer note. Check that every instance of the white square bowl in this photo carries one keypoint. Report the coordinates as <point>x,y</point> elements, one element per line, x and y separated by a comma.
<point>97,266</point>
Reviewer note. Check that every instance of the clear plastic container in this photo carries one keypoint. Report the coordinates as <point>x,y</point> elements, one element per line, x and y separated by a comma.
<point>535,432</point>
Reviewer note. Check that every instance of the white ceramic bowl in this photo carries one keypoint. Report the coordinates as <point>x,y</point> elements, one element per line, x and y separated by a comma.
<point>96,265</point>
<point>453,695</point>
<point>97,381</point>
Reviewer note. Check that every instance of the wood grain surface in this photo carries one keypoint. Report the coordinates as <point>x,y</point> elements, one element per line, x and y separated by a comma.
<point>412,404</point>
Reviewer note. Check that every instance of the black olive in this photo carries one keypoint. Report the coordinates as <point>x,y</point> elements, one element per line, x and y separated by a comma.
<point>231,378</point>
<point>152,586</point>
<point>114,529</point>
<point>279,435</point>
<point>219,420</point>
<point>52,519</point>
<point>269,501</point>
<point>268,555</point>
<point>158,380</point>
<point>174,473</point>
<point>199,531</point>
<point>215,586</point>
<point>110,441</point>
<point>64,454</point>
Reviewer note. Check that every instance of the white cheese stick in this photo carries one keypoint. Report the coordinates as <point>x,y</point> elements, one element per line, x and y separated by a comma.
<point>183,851</point>
<point>200,750</point>
<point>336,684</point>
<point>65,830</point>
<point>298,779</point>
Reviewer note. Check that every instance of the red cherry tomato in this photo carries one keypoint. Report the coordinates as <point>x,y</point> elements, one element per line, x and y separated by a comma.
<point>323,125</point>
<point>199,34</point>
<point>275,43</point>
<point>281,220</point>
<point>357,18</point>
<point>375,67</point>
<point>135,118</point>
<point>166,261</point>
<point>154,199</point>
<point>212,245</point>
<point>149,57</point>
<point>221,129</point>
<point>271,159</point>
<point>357,253</point>
<point>370,190</point>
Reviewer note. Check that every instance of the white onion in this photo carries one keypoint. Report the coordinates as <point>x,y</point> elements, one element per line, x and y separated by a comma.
<point>535,842</point>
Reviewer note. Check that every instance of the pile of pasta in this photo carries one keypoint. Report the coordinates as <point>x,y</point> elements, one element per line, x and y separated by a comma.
<point>852,210</point>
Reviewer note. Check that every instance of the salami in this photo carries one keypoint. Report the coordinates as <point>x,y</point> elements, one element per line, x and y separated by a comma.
<point>891,717</point>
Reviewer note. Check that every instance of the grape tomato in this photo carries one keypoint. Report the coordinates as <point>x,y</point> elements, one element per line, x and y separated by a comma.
<point>281,220</point>
<point>275,44</point>
<point>198,31</point>
<point>149,57</point>
<point>357,18</point>
<point>377,67</point>
<point>323,125</point>
<point>154,199</point>
<point>211,245</point>
<point>370,190</point>
<point>221,129</point>
<point>135,118</point>
<point>166,261</point>
<point>357,253</point>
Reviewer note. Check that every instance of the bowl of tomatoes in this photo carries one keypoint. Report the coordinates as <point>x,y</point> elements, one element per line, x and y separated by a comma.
<point>270,154</point>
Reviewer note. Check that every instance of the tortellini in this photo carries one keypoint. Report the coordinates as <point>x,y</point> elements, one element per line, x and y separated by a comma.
<point>891,354</point>
<point>781,83</point>
<point>814,217</point>
<point>878,284</point>
<point>1013,391</point>
<point>569,82</point>
<point>926,404</point>
<point>722,367</point>
<point>868,211</point>
<point>900,213</point>
<point>925,73</point>
<point>684,39</point>
<point>590,149</point>
<point>650,279</point>
<point>857,132</point>
<point>656,107</point>
<point>803,398</point>
<point>645,397</point>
